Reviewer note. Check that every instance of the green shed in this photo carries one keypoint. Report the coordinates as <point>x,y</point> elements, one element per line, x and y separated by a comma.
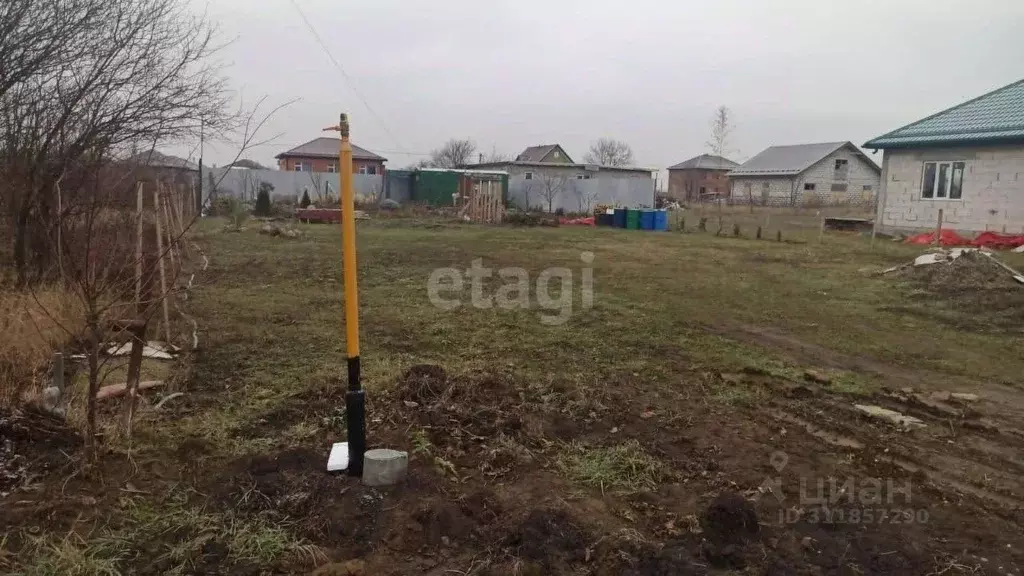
<point>441,186</point>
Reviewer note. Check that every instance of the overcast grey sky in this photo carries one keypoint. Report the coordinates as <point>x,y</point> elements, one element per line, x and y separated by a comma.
<point>517,73</point>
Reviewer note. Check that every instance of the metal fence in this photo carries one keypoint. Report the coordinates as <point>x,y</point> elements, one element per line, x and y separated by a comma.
<point>321,186</point>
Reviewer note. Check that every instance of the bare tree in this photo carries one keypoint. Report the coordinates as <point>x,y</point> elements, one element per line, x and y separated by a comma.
<point>454,154</point>
<point>551,187</point>
<point>609,152</point>
<point>585,194</point>
<point>128,74</point>
<point>721,130</point>
<point>495,157</point>
<point>316,180</point>
<point>527,187</point>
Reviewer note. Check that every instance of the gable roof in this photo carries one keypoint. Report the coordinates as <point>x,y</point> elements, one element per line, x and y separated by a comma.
<point>155,159</point>
<point>538,153</point>
<point>706,162</point>
<point>325,147</point>
<point>792,160</point>
<point>997,116</point>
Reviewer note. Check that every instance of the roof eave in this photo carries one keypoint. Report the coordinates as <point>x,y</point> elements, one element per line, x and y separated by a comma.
<point>893,144</point>
<point>328,156</point>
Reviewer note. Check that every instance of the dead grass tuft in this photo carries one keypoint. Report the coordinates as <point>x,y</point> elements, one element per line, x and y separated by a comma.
<point>34,325</point>
<point>626,467</point>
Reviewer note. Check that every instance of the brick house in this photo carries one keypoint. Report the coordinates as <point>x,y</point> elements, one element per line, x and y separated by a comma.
<point>967,160</point>
<point>824,173</point>
<point>698,177</point>
<point>321,155</point>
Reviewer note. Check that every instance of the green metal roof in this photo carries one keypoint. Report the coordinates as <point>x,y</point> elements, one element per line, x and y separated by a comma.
<point>991,118</point>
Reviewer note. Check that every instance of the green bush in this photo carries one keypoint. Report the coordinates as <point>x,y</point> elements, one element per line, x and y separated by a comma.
<point>262,203</point>
<point>222,206</point>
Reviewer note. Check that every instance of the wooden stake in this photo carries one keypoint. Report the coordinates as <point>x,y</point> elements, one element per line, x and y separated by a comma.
<point>139,230</point>
<point>160,262</point>
<point>938,229</point>
<point>821,231</point>
<point>165,210</point>
<point>874,230</point>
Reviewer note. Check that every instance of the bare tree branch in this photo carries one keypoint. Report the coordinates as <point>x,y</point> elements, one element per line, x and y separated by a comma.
<point>609,152</point>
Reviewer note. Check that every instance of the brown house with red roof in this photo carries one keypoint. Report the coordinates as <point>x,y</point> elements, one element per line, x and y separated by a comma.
<point>321,155</point>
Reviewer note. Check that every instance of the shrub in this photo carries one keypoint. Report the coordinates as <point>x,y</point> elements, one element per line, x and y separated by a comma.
<point>262,203</point>
<point>221,206</point>
<point>305,202</point>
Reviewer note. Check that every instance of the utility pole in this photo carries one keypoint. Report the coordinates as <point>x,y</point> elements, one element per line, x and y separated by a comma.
<point>355,398</point>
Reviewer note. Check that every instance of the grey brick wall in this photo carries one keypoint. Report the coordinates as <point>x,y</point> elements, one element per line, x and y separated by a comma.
<point>992,199</point>
<point>862,184</point>
<point>780,191</point>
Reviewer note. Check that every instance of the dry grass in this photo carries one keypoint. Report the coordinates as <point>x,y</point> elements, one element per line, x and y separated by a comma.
<point>34,325</point>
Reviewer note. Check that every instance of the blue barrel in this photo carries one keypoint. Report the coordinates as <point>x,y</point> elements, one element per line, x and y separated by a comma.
<point>619,219</point>
<point>647,220</point>
<point>661,220</point>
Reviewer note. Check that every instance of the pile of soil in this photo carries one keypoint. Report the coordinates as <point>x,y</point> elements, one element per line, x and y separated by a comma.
<point>972,284</point>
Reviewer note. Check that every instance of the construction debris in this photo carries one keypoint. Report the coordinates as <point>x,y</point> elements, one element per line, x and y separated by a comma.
<point>892,416</point>
<point>119,389</point>
<point>155,350</point>
<point>949,255</point>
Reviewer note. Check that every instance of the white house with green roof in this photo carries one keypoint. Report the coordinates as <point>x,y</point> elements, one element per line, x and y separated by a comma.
<point>967,161</point>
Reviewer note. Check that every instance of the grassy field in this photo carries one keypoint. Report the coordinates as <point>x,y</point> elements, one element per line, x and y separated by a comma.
<point>595,445</point>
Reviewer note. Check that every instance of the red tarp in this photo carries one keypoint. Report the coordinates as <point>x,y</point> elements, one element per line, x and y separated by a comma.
<point>577,221</point>
<point>951,238</point>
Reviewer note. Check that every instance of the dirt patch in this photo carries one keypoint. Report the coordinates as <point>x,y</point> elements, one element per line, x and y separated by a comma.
<point>31,445</point>
<point>550,538</point>
<point>423,384</point>
<point>292,485</point>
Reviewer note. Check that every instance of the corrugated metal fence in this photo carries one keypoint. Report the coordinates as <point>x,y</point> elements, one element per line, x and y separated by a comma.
<point>245,183</point>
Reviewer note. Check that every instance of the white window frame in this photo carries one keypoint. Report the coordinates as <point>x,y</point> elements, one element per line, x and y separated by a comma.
<point>949,181</point>
<point>332,168</point>
<point>362,168</point>
<point>297,167</point>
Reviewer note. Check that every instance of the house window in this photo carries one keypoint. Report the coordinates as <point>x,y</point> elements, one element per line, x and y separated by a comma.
<point>298,166</point>
<point>942,180</point>
<point>809,187</point>
<point>841,168</point>
<point>839,187</point>
<point>371,169</point>
<point>747,188</point>
<point>555,154</point>
<point>332,167</point>
<point>765,187</point>
<point>867,188</point>
<point>528,176</point>
<point>702,189</point>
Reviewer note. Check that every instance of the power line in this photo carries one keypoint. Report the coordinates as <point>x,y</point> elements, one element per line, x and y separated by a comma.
<point>348,79</point>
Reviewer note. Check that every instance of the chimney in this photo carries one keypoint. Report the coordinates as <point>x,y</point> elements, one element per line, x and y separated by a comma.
<point>481,158</point>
